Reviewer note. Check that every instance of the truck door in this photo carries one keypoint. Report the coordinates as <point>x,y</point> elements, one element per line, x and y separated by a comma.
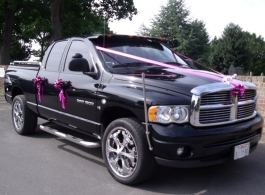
<point>81,109</point>
<point>50,70</point>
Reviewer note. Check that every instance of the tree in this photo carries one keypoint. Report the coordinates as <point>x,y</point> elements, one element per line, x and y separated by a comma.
<point>216,57</point>
<point>144,31</point>
<point>230,49</point>
<point>11,15</point>
<point>8,9</point>
<point>33,24</point>
<point>20,50</point>
<point>199,46</point>
<point>173,23</point>
<point>106,9</point>
<point>42,21</point>
<point>78,20</point>
<point>256,46</point>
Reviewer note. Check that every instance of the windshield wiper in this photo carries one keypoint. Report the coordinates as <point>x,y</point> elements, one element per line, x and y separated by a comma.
<point>132,64</point>
<point>176,63</point>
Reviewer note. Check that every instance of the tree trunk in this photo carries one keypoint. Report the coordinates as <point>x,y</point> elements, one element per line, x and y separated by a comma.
<point>5,47</point>
<point>57,7</point>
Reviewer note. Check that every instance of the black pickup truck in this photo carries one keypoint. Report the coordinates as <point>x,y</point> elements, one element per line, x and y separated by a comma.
<point>139,100</point>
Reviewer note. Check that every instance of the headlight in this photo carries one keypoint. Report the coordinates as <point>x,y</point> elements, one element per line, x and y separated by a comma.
<point>168,114</point>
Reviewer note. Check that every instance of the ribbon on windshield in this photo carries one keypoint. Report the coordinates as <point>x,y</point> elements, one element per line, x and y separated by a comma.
<point>236,86</point>
<point>40,83</point>
<point>62,86</point>
<point>217,78</point>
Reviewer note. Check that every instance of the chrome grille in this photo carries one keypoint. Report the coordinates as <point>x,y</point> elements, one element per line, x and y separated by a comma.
<point>222,97</point>
<point>214,116</point>
<point>249,95</point>
<point>213,104</point>
<point>245,110</point>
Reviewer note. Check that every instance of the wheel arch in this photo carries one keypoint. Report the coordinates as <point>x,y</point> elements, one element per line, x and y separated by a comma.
<point>115,112</point>
<point>16,91</point>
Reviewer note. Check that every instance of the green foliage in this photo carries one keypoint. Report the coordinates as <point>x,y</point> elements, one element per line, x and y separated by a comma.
<point>78,20</point>
<point>24,29</point>
<point>20,50</point>
<point>230,49</point>
<point>81,17</point>
<point>235,47</point>
<point>256,46</point>
<point>113,9</point>
<point>185,36</point>
<point>216,58</point>
<point>32,24</point>
<point>12,4</point>
<point>144,31</point>
<point>199,41</point>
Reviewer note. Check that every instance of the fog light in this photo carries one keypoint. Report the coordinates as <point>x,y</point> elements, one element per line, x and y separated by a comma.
<point>180,151</point>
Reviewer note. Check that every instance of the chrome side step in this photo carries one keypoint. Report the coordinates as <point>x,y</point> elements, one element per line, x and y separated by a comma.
<point>70,137</point>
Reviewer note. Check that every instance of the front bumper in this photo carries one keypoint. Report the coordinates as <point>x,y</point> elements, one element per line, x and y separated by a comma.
<point>202,146</point>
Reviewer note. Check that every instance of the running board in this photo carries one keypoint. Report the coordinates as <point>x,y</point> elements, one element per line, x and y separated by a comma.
<point>70,137</point>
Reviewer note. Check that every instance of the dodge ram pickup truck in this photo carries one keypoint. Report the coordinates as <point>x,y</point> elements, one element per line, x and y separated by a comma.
<point>140,101</point>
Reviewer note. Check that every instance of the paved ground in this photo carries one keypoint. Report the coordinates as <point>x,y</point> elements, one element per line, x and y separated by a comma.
<point>3,104</point>
<point>43,164</point>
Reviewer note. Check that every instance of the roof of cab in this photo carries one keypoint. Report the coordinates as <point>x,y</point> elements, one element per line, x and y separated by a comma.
<point>124,36</point>
<point>98,36</point>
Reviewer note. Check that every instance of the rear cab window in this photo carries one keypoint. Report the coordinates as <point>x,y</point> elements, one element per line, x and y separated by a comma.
<point>55,56</point>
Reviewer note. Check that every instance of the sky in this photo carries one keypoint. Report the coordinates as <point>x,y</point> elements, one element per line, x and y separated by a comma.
<point>216,15</point>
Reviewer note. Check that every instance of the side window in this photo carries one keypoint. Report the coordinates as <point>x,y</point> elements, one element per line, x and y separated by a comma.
<point>77,47</point>
<point>55,56</point>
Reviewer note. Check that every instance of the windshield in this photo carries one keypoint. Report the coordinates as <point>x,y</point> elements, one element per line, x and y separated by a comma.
<point>146,49</point>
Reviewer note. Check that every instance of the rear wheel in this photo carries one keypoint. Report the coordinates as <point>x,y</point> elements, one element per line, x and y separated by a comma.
<point>126,153</point>
<point>24,121</point>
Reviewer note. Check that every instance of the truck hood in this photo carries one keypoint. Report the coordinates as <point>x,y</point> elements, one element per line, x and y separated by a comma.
<point>182,80</point>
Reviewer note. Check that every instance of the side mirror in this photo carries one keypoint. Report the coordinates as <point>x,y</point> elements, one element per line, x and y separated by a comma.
<point>190,62</point>
<point>78,63</point>
<point>77,55</point>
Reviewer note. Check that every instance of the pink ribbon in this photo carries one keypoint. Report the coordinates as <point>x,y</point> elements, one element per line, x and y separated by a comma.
<point>238,90</point>
<point>236,86</point>
<point>217,78</point>
<point>40,82</point>
<point>62,86</point>
<point>155,75</point>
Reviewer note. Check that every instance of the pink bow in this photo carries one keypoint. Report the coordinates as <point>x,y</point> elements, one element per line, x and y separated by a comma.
<point>238,90</point>
<point>40,82</point>
<point>62,86</point>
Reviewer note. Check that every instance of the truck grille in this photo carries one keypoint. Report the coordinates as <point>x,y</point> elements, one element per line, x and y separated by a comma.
<point>213,116</point>
<point>245,110</point>
<point>216,98</point>
<point>222,108</point>
<point>249,95</point>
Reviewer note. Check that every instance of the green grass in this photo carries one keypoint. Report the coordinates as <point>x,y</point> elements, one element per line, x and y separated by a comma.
<point>2,90</point>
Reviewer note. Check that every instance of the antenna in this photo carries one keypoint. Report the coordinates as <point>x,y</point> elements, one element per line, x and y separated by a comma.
<point>104,35</point>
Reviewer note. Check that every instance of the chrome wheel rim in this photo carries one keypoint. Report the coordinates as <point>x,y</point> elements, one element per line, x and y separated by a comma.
<point>18,116</point>
<point>121,152</point>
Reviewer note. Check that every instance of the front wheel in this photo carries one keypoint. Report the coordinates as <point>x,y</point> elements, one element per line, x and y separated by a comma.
<point>126,153</point>
<point>24,121</point>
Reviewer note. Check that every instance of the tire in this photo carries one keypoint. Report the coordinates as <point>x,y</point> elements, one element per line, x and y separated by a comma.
<point>126,152</point>
<point>24,121</point>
